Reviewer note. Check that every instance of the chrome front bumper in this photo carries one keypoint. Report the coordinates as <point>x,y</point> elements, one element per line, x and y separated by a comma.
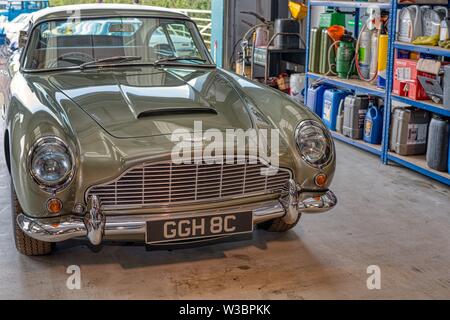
<point>94,225</point>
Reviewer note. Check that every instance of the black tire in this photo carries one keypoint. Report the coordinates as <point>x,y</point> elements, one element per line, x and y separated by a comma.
<point>24,243</point>
<point>278,225</point>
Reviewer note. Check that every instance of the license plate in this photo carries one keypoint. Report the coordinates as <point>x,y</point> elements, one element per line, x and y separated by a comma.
<point>198,227</point>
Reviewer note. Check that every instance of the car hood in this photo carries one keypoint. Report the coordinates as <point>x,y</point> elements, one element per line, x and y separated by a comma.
<point>131,102</point>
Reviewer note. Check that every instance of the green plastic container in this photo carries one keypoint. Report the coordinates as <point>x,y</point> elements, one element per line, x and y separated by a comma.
<point>330,18</point>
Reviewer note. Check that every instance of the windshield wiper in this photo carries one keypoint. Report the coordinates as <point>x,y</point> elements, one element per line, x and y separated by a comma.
<point>172,59</point>
<point>118,59</point>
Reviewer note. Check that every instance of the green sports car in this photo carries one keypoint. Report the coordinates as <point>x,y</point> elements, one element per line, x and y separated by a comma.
<point>90,120</point>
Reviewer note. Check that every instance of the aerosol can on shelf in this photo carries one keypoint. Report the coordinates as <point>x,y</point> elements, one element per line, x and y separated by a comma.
<point>410,23</point>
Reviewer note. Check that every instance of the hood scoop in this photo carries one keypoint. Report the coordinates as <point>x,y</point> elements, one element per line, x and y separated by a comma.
<point>176,110</point>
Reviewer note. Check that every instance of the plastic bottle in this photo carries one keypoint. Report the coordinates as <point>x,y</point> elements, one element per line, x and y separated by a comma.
<point>373,125</point>
<point>409,24</point>
<point>315,98</point>
<point>331,101</point>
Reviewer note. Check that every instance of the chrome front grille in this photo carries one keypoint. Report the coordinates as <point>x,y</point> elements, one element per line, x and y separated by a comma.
<point>165,183</point>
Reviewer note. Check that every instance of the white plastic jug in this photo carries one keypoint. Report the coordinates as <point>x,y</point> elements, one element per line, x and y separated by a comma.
<point>431,20</point>
<point>410,23</point>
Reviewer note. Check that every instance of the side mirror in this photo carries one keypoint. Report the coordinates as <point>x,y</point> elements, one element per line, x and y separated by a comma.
<point>23,38</point>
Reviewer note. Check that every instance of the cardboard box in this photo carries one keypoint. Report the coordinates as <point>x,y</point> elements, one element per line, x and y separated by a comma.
<point>406,83</point>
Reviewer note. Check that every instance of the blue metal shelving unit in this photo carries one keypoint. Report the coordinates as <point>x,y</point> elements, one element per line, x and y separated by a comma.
<point>423,49</point>
<point>350,84</point>
<point>416,163</point>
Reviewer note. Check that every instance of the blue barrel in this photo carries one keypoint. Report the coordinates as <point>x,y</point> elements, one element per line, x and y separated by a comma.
<point>315,98</point>
<point>373,125</point>
<point>331,100</point>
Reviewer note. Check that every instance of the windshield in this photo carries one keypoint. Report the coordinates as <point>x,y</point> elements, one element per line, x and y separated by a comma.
<point>93,42</point>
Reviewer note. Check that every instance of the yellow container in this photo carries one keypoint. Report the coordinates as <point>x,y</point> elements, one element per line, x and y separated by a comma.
<point>298,10</point>
<point>382,52</point>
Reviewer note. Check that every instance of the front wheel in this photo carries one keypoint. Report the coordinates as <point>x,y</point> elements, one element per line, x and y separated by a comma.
<point>278,225</point>
<point>24,243</point>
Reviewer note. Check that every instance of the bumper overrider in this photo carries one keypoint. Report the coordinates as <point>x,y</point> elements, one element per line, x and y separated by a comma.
<point>95,225</point>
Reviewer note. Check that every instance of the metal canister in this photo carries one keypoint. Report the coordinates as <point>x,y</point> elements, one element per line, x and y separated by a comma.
<point>314,50</point>
<point>409,130</point>
<point>364,52</point>
<point>374,56</point>
<point>325,43</point>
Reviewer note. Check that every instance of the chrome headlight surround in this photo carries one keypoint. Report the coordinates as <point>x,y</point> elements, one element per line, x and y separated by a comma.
<point>51,146</point>
<point>312,131</point>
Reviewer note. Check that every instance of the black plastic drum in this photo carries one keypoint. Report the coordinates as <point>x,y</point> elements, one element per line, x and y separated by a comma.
<point>289,41</point>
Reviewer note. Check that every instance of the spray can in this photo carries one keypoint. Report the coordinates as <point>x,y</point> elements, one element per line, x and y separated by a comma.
<point>345,57</point>
<point>364,52</point>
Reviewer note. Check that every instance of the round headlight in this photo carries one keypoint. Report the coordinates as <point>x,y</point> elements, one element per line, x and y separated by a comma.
<point>51,163</point>
<point>314,143</point>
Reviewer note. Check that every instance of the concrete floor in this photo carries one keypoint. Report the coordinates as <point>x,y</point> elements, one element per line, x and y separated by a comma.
<point>387,216</point>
